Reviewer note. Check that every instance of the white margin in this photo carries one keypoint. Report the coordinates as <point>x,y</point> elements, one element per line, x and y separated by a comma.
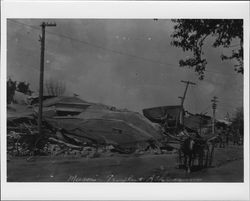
<point>124,191</point>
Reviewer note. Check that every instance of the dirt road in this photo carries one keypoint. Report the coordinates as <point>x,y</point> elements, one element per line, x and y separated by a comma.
<point>228,167</point>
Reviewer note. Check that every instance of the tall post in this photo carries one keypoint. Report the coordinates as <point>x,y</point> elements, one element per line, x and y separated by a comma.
<point>185,92</point>
<point>183,99</point>
<point>40,112</point>
<point>214,106</point>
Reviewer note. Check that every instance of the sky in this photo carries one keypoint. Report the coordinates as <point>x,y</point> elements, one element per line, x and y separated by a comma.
<point>126,63</point>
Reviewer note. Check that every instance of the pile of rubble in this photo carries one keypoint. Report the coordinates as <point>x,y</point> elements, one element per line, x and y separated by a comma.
<point>22,144</point>
<point>23,140</point>
<point>73,127</point>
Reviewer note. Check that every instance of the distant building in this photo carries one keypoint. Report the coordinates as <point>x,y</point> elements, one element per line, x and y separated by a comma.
<point>197,122</point>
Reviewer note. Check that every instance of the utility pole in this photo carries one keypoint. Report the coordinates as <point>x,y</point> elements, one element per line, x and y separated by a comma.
<point>185,92</point>
<point>40,112</point>
<point>214,106</point>
<point>183,98</point>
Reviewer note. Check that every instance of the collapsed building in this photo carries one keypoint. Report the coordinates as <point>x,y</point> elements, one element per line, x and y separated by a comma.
<point>175,118</point>
<point>74,123</point>
<point>167,116</point>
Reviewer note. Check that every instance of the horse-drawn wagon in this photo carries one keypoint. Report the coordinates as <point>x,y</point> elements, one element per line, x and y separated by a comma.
<point>195,150</point>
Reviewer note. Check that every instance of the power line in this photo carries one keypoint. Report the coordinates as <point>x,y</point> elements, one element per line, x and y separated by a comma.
<point>123,38</point>
<point>112,50</point>
<point>99,47</point>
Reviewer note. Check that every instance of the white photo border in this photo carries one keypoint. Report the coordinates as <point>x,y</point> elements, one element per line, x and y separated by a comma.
<point>124,191</point>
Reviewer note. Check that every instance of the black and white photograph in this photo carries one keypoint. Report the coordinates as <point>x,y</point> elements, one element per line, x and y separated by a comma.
<point>116,100</point>
<point>125,100</point>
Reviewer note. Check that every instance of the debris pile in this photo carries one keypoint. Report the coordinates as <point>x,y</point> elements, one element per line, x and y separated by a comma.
<point>72,127</point>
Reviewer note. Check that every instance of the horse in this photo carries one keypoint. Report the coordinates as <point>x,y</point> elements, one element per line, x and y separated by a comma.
<point>191,149</point>
<point>187,149</point>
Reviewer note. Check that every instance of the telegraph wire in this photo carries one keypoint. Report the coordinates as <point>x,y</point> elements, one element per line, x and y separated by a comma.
<point>97,46</point>
<point>112,50</point>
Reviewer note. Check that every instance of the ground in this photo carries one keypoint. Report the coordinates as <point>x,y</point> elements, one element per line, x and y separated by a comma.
<point>227,167</point>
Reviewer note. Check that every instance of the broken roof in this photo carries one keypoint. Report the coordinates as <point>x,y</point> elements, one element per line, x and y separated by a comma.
<point>101,130</point>
<point>129,117</point>
<point>105,126</point>
<point>157,114</point>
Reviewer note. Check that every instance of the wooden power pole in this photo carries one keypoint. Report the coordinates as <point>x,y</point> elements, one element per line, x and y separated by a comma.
<point>214,106</point>
<point>185,92</point>
<point>183,97</point>
<point>42,40</point>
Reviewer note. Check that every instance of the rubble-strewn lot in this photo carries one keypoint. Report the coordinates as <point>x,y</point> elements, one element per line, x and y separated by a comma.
<point>102,144</point>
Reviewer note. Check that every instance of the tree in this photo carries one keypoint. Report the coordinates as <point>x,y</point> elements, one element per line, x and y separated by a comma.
<point>11,88</point>
<point>55,87</point>
<point>190,35</point>
<point>23,87</point>
<point>238,121</point>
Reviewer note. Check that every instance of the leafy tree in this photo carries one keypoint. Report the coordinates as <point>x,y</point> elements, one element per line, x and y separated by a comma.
<point>11,88</point>
<point>238,121</point>
<point>190,35</point>
<point>24,88</point>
